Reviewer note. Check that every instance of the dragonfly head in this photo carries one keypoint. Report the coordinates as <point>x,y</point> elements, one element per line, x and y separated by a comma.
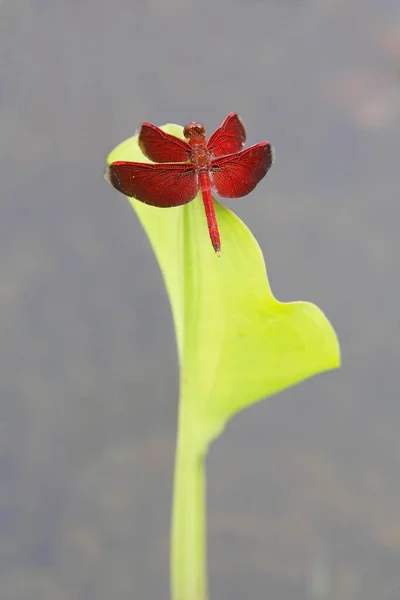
<point>193,129</point>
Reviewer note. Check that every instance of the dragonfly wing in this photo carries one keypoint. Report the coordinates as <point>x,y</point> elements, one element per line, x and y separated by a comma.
<point>162,147</point>
<point>228,138</point>
<point>237,174</point>
<point>161,185</point>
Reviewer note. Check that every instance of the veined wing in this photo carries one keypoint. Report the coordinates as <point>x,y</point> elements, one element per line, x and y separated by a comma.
<point>228,138</point>
<point>162,147</point>
<point>161,185</point>
<point>237,174</point>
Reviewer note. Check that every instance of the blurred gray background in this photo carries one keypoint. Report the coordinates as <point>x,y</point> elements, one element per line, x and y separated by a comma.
<point>304,489</point>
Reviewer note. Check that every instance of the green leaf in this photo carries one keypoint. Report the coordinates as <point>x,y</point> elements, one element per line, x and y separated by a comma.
<point>236,343</point>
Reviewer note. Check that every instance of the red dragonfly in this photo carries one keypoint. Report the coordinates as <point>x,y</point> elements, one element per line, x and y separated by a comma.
<point>181,168</point>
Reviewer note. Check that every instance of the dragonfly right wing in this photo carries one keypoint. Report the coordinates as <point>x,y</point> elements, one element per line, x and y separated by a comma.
<point>228,138</point>
<point>237,174</point>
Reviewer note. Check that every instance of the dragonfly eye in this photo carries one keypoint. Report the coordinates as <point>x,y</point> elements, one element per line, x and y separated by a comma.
<point>194,129</point>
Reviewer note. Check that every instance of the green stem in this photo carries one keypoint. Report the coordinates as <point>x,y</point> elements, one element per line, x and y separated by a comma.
<point>188,552</point>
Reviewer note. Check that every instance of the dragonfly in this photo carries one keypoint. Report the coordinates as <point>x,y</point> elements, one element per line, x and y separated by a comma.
<point>181,168</point>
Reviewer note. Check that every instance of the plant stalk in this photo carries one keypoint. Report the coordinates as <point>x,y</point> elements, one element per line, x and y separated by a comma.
<point>188,548</point>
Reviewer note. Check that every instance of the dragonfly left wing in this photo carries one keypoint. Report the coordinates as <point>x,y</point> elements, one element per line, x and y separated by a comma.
<point>161,185</point>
